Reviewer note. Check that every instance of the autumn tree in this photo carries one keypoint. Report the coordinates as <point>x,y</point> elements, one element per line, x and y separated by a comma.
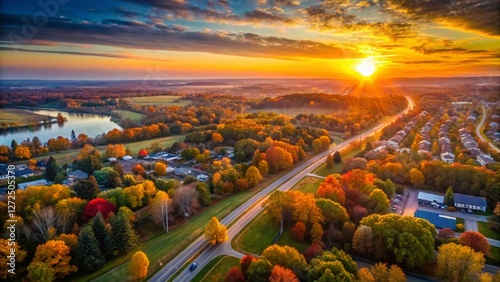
<point>476,241</point>
<point>362,240</point>
<point>494,219</point>
<point>71,240</point>
<point>160,169</point>
<point>416,177</point>
<point>186,200</point>
<point>88,160</point>
<point>306,210</point>
<point>138,169</point>
<point>217,138</point>
<point>263,167</point>
<point>259,270</point>
<point>139,264</point>
<point>115,151</point>
<point>330,189</point>
<point>143,153</point>
<point>235,275</point>
<point>329,161</point>
<point>40,271</point>
<point>160,208</point>
<point>56,255</point>
<point>285,256</point>
<point>5,251</point>
<point>381,273</point>
<point>88,254</point>
<point>448,198</point>
<point>336,157</point>
<point>446,233</point>
<point>378,202</point>
<point>313,251</point>
<point>98,205</point>
<point>298,231</point>
<point>334,214</point>
<point>278,159</point>
<point>459,263</point>
<point>23,152</point>
<point>282,274</point>
<point>253,176</point>
<point>134,195</point>
<point>245,263</point>
<point>87,188</point>
<point>336,262</point>
<point>215,232</point>
<point>203,194</point>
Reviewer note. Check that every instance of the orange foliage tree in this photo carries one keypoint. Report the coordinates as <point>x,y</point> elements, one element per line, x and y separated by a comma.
<point>55,254</point>
<point>476,241</point>
<point>298,231</point>
<point>139,265</point>
<point>282,274</point>
<point>278,159</point>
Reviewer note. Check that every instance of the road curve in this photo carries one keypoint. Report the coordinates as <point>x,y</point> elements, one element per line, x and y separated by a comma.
<point>478,132</point>
<point>251,208</point>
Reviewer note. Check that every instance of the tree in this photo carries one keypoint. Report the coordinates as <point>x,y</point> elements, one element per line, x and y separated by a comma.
<point>56,255</point>
<point>362,240</point>
<point>333,213</point>
<point>40,271</point>
<point>215,232</point>
<point>87,188</point>
<point>316,146</point>
<point>160,209</point>
<point>378,201</point>
<point>235,275</point>
<point>139,264</point>
<point>459,263</point>
<point>13,145</point>
<point>245,263</point>
<point>123,234</point>
<point>282,274</point>
<point>285,256</point>
<point>298,231</point>
<point>99,230</point>
<point>88,254</point>
<point>143,153</point>
<point>476,241</point>
<point>416,177</point>
<point>329,161</point>
<point>160,169</point>
<point>263,167</point>
<point>335,261</point>
<point>5,251</point>
<point>138,169</point>
<point>23,152</point>
<point>98,205</point>
<point>134,195</point>
<point>313,251</point>
<point>51,169</point>
<point>259,270</point>
<point>186,200</point>
<point>494,219</point>
<point>446,233</point>
<point>278,159</point>
<point>330,189</point>
<point>217,138</point>
<point>253,176</point>
<point>107,177</point>
<point>381,273</point>
<point>115,151</point>
<point>336,157</point>
<point>448,198</point>
<point>71,240</point>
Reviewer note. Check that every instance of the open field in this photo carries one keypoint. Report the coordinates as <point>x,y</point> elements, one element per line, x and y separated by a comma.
<point>159,100</point>
<point>20,117</point>
<point>308,184</point>
<point>216,270</point>
<point>292,112</point>
<point>486,231</point>
<point>286,240</point>
<point>134,147</point>
<point>137,117</point>
<point>257,235</point>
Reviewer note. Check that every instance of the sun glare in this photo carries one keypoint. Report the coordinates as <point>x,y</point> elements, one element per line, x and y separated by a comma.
<point>366,67</point>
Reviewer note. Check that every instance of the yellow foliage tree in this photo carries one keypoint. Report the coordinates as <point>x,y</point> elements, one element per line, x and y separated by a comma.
<point>160,169</point>
<point>139,265</point>
<point>253,176</point>
<point>115,151</point>
<point>134,195</point>
<point>23,152</point>
<point>55,253</point>
<point>217,138</point>
<point>5,251</point>
<point>459,263</point>
<point>215,232</point>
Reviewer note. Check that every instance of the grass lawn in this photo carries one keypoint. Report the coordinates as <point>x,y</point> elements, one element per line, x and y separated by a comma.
<point>486,231</point>
<point>137,117</point>
<point>69,156</point>
<point>286,240</point>
<point>216,270</point>
<point>308,184</point>
<point>159,100</point>
<point>257,235</point>
<point>494,258</point>
<point>20,117</point>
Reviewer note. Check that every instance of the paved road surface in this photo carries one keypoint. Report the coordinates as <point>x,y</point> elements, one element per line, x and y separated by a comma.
<point>478,133</point>
<point>247,211</point>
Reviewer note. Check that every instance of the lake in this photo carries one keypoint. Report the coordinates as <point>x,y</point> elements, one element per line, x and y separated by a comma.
<point>90,124</point>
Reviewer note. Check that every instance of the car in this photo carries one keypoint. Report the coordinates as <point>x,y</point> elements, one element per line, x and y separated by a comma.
<point>462,210</point>
<point>398,196</point>
<point>394,208</point>
<point>396,201</point>
<point>193,266</point>
<point>470,211</point>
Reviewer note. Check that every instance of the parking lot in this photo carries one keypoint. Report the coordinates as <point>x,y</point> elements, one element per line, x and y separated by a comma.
<point>398,202</point>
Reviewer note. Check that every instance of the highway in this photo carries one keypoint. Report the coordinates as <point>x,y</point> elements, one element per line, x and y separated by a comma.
<point>242,215</point>
<point>478,132</point>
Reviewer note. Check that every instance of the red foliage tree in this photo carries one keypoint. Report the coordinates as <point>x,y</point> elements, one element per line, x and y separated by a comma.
<point>313,251</point>
<point>335,194</point>
<point>98,205</point>
<point>298,231</point>
<point>446,233</point>
<point>358,212</point>
<point>282,274</point>
<point>143,153</point>
<point>138,169</point>
<point>235,275</point>
<point>476,241</point>
<point>245,263</point>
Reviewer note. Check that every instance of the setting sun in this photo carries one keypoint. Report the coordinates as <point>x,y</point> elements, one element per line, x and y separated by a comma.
<point>366,67</point>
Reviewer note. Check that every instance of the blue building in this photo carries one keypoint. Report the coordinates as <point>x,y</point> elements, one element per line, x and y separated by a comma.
<point>439,220</point>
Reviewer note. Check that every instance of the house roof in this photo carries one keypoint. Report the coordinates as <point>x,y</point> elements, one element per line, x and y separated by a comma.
<point>22,172</point>
<point>469,200</point>
<point>78,173</point>
<point>439,220</point>
<point>39,182</point>
<point>430,197</point>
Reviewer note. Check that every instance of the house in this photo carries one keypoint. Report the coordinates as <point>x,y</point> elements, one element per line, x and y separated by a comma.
<point>444,140</point>
<point>77,175</point>
<point>202,177</point>
<point>126,158</point>
<point>447,157</point>
<point>469,202</point>
<point>438,220</point>
<point>27,172</point>
<point>425,198</point>
<point>484,159</point>
<point>170,169</point>
<point>182,171</point>
<point>40,182</point>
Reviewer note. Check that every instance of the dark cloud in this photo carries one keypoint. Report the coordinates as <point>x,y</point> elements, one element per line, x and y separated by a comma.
<point>136,36</point>
<point>477,15</point>
<point>123,12</point>
<point>107,55</point>
<point>429,50</point>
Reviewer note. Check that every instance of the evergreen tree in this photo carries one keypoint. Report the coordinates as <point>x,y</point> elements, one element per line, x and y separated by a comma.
<point>99,229</point>
<point>73,136</point>
<point>13,145</point>
<point>109,246</point>
<point>88,255</point>
<point>448,198</point>
<point>369,146</point>
<point>336,157</point>
<point>87,188</point>
<point>123,234</point>
<point>51,169</point>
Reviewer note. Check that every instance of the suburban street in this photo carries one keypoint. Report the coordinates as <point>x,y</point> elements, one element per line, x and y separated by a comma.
<point>250,209</point>
<point>478,131</point>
